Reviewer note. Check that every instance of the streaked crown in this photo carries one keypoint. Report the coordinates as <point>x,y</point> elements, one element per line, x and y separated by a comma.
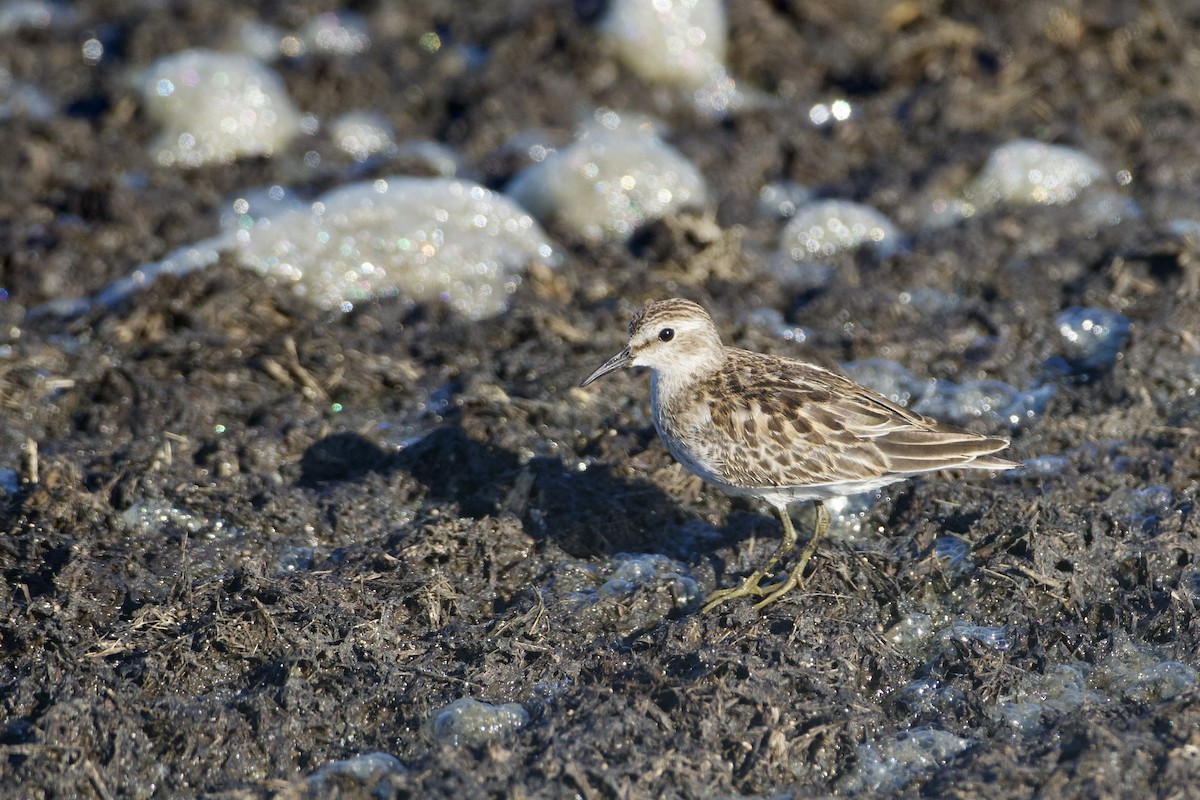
<point>675,336</point>
<point>661,312</point>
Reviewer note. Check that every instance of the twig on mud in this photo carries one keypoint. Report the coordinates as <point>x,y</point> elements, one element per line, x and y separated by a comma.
<point>574,772</point>
<point>266,615</point>
<point>428,673</point>
<point>538,612</point>
<point>97,781</point>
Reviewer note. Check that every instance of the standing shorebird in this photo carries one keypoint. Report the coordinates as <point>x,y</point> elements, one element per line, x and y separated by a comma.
<point>778,429</point>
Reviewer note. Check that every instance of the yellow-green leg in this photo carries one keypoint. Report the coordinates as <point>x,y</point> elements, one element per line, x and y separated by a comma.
<point>796,576</point>
<point>750,586</point>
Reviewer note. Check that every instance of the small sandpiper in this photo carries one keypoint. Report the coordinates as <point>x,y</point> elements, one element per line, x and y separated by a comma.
<point>779,429</point>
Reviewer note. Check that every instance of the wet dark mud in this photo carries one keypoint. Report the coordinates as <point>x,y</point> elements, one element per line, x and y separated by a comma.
<point>243,540</point>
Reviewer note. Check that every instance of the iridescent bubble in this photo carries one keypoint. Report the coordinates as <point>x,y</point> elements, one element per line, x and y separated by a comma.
<point>954,554</point>
<point>92,50</point>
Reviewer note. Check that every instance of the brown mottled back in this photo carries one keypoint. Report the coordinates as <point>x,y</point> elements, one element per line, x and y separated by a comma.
<point>772,422</point>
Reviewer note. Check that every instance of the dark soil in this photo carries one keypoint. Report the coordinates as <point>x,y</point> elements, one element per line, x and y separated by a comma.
<point>460,497</point>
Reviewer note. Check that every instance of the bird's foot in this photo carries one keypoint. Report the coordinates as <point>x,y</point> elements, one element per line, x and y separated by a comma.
<point>749,588</point>
<point>779,589</point>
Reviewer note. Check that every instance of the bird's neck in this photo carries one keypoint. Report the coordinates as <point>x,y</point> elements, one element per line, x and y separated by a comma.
<point>682,378</point>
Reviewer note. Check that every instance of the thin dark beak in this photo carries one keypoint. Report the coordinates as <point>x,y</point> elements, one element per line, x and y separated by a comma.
<point>621,359</point>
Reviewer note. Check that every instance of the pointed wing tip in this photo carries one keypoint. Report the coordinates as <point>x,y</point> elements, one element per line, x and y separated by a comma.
<point>993,462</point>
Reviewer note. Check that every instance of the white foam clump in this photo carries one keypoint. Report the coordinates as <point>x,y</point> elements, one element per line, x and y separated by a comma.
<point>1031,172</point>
<point>912,633</point>
<point>850,514</point>
<point>216,107</point>
<point>1028,172</point>
<point>825,227</point>
<point>632,593</point>
<point>363,134</point>
<point>423,239</point>
<point>678,43</point>
<point>617,176</point>
<point>990,636</point>
<point>336,33</point>
<point>918,635</point>
<point>1138,674</point>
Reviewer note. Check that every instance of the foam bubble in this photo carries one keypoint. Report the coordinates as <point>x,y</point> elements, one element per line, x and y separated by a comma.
<point>367,768</point>
<point>678,43</point>
<point>825,227</point>
<point>422,239</point>
<point>990,400</point>
<point>886,765</point>
<point>630,572</point>
<point>469,723</point>
<point>1091,338</point>
<point>216,107</point>
<point>363,134</point>
<point>609,182</point>
<point>1031,172</point>
<point>339,33</point>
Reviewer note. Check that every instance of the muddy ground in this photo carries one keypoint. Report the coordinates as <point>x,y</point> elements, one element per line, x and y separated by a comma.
<point>463,501</point>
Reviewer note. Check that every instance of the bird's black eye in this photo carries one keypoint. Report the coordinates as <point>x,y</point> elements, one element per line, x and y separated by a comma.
<point>666,334</point>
